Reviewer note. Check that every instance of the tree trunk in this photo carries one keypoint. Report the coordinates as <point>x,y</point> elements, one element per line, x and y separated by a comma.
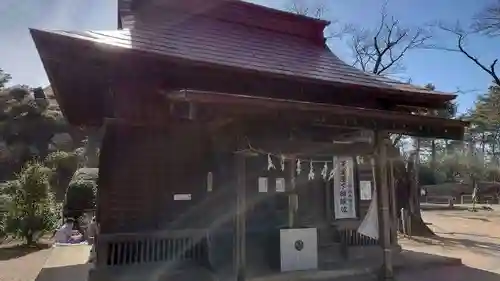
<point>408,196</point>
<point>28,235</point>
<point>483,143</point>
<point>494,154</point>
<point>433,155</point>
<point>416,182</point>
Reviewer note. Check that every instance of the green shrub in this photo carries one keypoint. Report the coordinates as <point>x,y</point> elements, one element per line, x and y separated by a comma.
<point>31,209</point>
<point>3,226</point>
<point>81,195</point>
<point>63,165</point>
<point>81,192</point>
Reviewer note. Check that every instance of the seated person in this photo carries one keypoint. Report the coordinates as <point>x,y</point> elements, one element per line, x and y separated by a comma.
<point>92,231</point>
<point>65,233</point>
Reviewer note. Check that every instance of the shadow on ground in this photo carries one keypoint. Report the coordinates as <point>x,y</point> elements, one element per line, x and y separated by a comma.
<point>465,215</point>
<point>78,272</point>
<point>448,273</point>
<point>16,251</point>
<point>461,242</point>
<point>464,233</point>
<point>441,207</point>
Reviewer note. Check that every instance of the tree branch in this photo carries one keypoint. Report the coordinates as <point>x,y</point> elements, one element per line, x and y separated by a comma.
<point>384,49</point>
<point>461,36</point>
<point>300,8</point>
<point>488,20</point>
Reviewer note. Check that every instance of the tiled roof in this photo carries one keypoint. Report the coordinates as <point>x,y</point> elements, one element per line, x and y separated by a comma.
<point>218,42</point>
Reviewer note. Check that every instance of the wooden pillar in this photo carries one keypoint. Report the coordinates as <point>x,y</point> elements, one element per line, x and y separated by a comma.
<point>416,168</point>
<point>240,237</point>
<point>394,211</point>
<point>292,196</point>
<point>384,220</point>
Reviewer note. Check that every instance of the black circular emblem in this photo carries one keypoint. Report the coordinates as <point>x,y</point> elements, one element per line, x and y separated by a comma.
<point>299,245</point>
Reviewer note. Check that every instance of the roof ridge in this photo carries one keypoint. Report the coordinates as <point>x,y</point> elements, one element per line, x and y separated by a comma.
<point>296,15</point>
<point>228,21</point>
<point>234,11</point>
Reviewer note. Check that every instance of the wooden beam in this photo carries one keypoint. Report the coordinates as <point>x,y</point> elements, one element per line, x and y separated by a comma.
<point>328,114</point>
<point>383,205</point>
<point>310,148</point>
<point>240,239</point>
<point>292,196</point>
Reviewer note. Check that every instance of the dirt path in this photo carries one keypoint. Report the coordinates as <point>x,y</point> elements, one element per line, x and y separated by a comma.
<point>473,237</point>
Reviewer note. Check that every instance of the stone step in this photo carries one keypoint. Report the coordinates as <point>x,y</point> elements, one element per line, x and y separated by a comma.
<point>329,254</point>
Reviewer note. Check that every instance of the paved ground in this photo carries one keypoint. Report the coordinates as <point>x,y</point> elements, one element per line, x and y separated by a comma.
<point>66,263</point>
<point>473,237</point>
<point>21,264</point>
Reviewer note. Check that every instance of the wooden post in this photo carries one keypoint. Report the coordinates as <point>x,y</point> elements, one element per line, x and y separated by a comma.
<point>240,241</point>
<point>394,211</point>
<point>292,196</point>
<point>416,180</point>
<point>383,203</point>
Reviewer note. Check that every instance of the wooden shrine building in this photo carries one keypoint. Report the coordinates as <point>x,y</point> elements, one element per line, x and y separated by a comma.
<point>223,122</point>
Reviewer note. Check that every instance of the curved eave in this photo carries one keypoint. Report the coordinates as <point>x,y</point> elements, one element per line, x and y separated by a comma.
<point>78,98</point>
<point>315,69</point>
<point>84,106</point>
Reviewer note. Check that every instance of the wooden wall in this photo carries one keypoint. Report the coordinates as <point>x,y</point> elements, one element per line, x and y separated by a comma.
<point>141,169</point>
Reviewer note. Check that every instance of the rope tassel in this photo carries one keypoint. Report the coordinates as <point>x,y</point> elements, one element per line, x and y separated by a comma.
<point>299,168</point>
<point>332,173</point>
<point>282,162</point>
<point>270,165</point>
<point>310,176</point>
<point>324,172</point>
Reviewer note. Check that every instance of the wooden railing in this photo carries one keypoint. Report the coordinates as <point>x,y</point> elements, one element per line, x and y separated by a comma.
<point>351,237</point>
<point>160,246</point>
<point>485,199</point>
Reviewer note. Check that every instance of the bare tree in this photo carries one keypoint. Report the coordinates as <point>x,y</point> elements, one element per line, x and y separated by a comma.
<point>306,8</point>
<point>381,50</point>
<point>377,50</point>
<point>317,9</point>
<point>488,20</point>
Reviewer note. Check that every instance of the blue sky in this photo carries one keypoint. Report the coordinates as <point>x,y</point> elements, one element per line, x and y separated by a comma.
<point>448,71</point>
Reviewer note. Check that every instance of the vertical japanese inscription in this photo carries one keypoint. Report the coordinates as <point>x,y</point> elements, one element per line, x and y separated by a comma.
<point>344,198</point>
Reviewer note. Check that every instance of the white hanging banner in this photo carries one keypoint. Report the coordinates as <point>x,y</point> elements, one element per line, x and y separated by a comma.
<point>343,188</point>
<point>369,225</point>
